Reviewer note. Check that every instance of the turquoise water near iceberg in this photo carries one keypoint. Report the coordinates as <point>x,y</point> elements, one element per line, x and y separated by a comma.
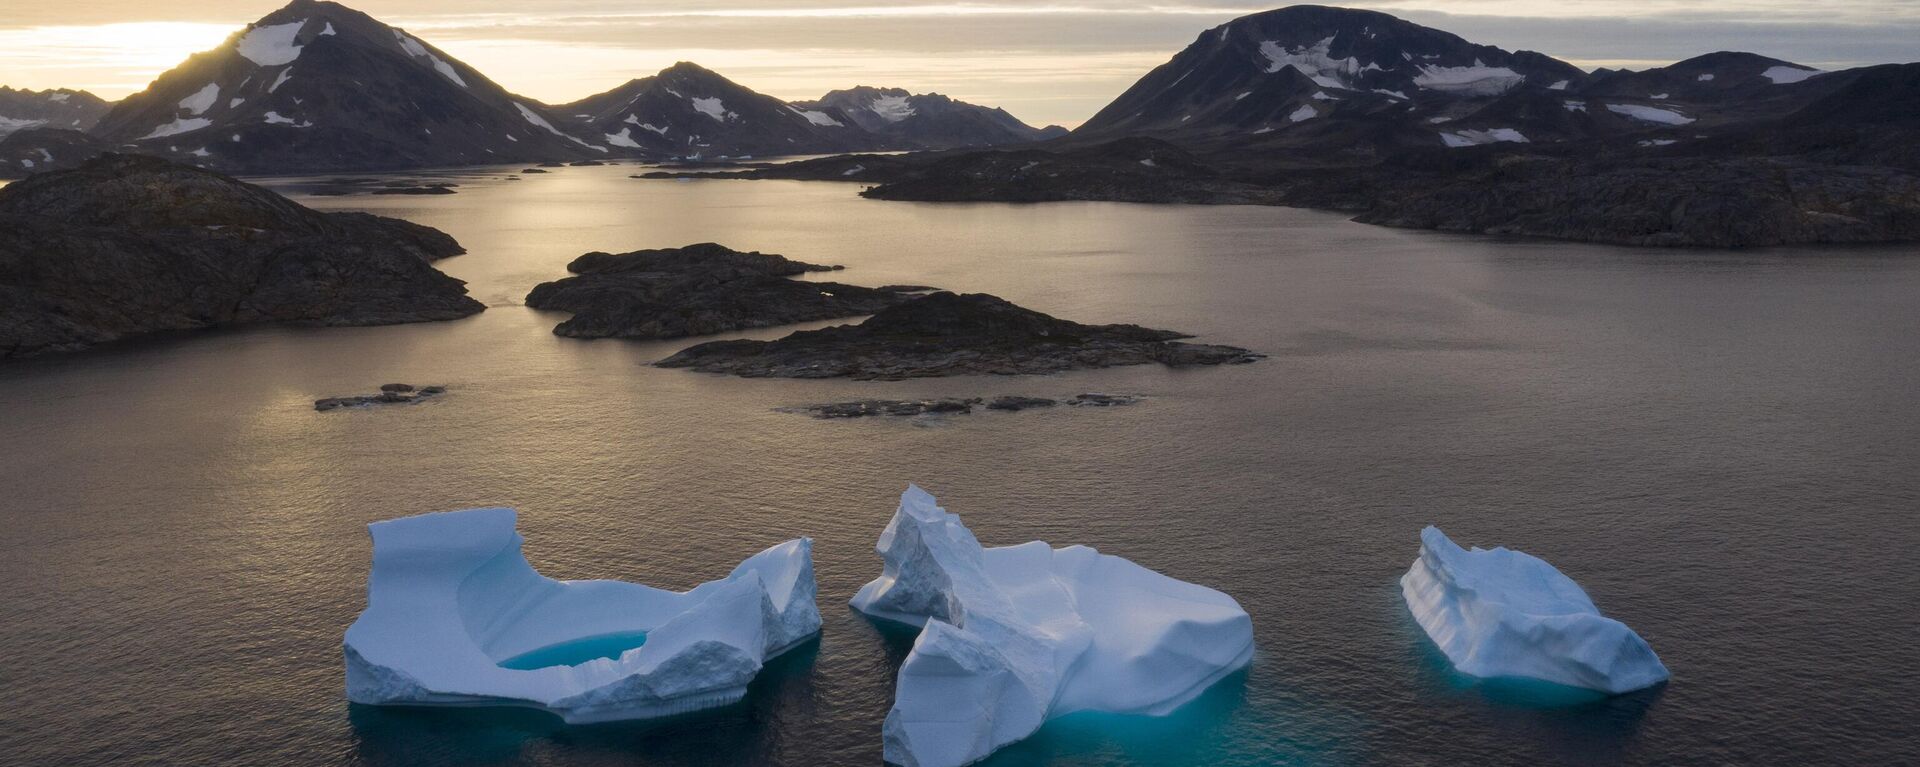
<point>578,651</point>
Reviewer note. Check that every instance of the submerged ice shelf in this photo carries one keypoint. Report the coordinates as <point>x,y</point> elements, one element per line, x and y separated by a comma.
<point>1504,613</point>
<point>457,617</point>
<point>1015,635</point>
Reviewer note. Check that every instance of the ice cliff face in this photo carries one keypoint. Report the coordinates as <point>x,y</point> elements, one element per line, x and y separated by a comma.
<point>1016,635</point>
<point>1503,613</point>
<point>451,598</point>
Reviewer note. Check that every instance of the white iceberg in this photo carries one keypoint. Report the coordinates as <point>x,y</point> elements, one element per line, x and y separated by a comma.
<point>1504,613</point>
<point>1016,635</point>
<point>456,617</point>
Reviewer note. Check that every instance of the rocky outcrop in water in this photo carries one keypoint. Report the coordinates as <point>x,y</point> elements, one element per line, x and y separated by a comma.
<point>945,334</point>
<point>1008,403</point>
<point>390,394</point>
<point>127,245</point>
<point>697,290</point>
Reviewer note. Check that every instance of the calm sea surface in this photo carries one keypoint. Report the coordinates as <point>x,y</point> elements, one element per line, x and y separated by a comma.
<point>1724,449</point>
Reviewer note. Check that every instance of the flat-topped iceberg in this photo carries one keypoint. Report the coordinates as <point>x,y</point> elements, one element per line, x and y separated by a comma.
<point>457,617</point>
<point>1504,613</point>
<point>1016,635</point>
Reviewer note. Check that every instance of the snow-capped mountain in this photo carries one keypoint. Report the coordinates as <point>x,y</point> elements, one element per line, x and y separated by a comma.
<point>906,120</point>
<point>54,108</point>
<point>317,86</point>
<point>692,112</point>
<point>1280,68</point>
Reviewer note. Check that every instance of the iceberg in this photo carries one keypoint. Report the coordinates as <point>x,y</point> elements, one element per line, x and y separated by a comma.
<point>1504,613</point>
<point>457,617</point>
<point>1016,635</point>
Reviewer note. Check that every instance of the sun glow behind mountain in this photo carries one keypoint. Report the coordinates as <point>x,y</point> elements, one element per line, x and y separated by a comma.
<point>1046,62</point>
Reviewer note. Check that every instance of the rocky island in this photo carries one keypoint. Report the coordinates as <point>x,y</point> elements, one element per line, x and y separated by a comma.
<point>944,334</point>
<point>127,245</point>
<point>698,290</point>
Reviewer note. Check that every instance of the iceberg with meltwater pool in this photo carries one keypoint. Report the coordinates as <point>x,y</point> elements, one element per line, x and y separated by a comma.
<point>1504,613</point>
<point>1016,635</point>
<point>457,617</point>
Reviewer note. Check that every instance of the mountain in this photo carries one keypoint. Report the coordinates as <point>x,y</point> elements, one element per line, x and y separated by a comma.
<point>691,112</point>
<point>319,87</point>
<point>1282,68</point>
<point>38,150</point>
<point>56,108</point>
<point>1403,125</point>
<point>128,245</point>
<point>905,120</point>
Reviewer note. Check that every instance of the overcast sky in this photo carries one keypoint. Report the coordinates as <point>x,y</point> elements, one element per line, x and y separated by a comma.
<point>1047,61</point>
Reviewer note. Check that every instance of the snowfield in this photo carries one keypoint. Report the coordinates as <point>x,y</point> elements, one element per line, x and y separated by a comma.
<point>893,109</point>
<point>1316,62</point>
<point>1457,139</point>
<point>1477,80</point>
<point>419,50</point>
<point>178,126</point>
<point>1788,75</point>
<point>712,108</point>
<point>271,46</point>
<point>821,119</point>
<point>457,617</point>
<point>1650,114</point>
<point>201,100</point>
<point>1016,635</point>
<point>1503,613</point>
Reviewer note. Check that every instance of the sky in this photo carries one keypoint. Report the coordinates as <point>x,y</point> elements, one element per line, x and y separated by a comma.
<point>1046,61</point>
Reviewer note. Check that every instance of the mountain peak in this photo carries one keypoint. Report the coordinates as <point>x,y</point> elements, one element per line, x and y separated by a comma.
<point>323,87</point>
<point>1234,76</point>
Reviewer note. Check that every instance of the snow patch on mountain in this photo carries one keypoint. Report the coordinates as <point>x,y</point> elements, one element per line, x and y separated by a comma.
<point>271,46</point>
<point>1477,80</point>
<point>418,50</point>
<point>623,138</point>
<point>201,100</point>
<point>712,107</point>
<point>1462,138</point>
<point>821,119</point>
<point>1316,62</point>
<point>1788,75</point>
<point>1650,114</point>
<point>178,126</point>
<point>541,122</point>
<point>275,118</point>
<point>1305,112</point>
<point>282,79</point>
<point>893,109</point>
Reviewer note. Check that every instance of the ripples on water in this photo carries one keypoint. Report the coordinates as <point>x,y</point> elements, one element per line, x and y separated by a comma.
<point>1723,449</point>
